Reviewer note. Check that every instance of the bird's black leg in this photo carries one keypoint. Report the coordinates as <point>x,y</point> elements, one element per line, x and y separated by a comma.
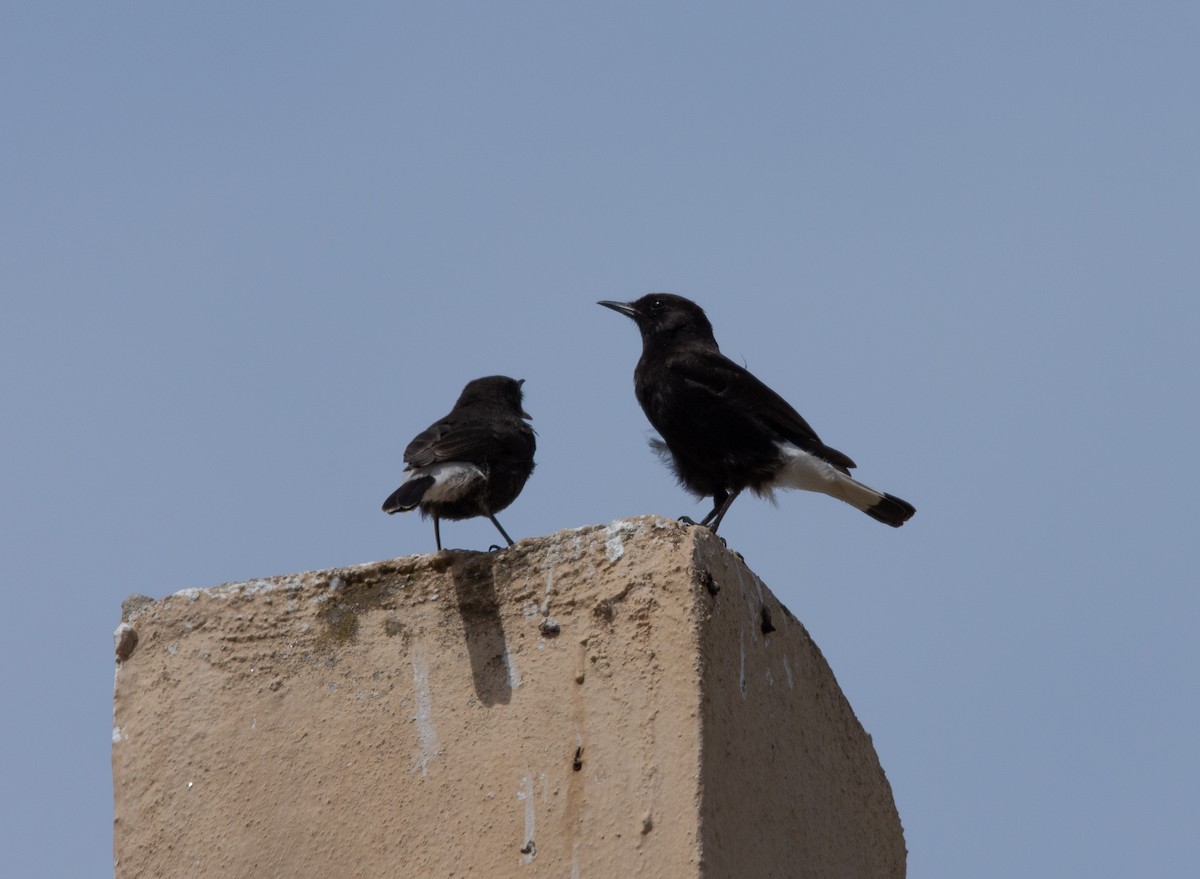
<point>500,529</point>
<point>720,511</point>
<point>437,534</point>
<point>719,499</point>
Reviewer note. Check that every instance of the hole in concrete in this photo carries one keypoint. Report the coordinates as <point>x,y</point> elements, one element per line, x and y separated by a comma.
<point>767,626</point>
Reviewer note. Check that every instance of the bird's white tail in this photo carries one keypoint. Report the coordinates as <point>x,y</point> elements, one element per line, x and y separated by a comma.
<point>809,473</point>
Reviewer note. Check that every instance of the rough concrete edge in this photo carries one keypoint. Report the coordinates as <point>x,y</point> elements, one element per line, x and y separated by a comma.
<point>136,605</point>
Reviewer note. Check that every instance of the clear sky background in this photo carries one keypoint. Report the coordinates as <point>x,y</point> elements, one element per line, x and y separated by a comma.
<point>247,251</point>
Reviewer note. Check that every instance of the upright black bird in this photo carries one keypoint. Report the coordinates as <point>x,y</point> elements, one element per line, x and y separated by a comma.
<point>724,430</point>
<point>473,462</point>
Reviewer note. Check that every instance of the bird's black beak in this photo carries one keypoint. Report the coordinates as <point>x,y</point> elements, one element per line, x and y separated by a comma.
<point>626,308</point>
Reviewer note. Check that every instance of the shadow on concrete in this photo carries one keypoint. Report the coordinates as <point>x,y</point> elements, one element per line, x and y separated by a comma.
<point>475,588</point>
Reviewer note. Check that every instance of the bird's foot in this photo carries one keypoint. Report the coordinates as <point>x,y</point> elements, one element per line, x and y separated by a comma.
<point>688,520</point>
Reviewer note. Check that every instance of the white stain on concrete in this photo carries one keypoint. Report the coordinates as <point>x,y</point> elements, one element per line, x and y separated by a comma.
<point>514,676</point>
<point>551,560</point>
<point>118,734</point>
<point>758,587</point>
<point>753,609</point>
<point>427,740</point>
<point>787,670</point>
<point>614,545</point>
<point>525,794</point>
<point>742,650</point>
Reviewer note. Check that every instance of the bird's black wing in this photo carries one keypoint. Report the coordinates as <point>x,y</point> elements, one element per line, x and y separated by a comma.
<point>448,440</point>
<point>736,387</point>
<point>455,439</point>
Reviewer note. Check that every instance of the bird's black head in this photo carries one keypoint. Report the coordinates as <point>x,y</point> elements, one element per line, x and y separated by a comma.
<point>497,391</point>
<point>665,316</point>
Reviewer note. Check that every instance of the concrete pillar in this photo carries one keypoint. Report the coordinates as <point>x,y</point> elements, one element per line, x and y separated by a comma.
<point>610,701</point>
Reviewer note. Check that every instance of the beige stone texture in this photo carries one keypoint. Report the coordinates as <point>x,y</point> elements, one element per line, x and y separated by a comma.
<point>610,701</point>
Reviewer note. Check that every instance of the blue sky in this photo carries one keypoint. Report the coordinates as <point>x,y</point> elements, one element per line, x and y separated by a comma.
<point>248,252</point>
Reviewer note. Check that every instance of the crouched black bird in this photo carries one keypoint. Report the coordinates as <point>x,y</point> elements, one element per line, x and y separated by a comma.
<point>473,462</point>
<point>722,429</point>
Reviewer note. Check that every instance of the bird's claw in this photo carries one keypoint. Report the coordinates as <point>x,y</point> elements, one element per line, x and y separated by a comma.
<point>688,520</point>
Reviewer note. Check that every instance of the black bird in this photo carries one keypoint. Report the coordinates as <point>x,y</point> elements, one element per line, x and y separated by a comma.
<point>722,429</point>
<point>473,462</point>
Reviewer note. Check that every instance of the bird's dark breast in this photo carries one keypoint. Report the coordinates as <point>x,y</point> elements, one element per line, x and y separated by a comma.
<point>714,446</point>
<point>509,467</point>
<point>505,483</point>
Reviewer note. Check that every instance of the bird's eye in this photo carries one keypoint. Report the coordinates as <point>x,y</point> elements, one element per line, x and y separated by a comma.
<point>657,305</point>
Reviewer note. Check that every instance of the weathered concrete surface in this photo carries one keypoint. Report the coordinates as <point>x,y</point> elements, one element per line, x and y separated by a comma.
<point>577,705</point>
